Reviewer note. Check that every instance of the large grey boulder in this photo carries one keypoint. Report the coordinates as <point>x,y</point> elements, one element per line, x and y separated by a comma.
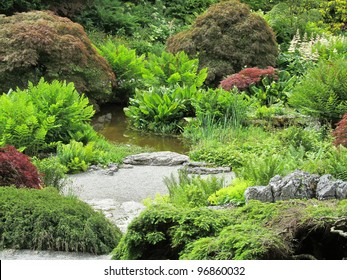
<point>157,159</point>
<point>299,185</point>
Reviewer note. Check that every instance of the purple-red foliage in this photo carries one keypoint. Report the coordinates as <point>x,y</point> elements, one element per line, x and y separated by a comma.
<point>340,132</point>
<point>246,77</point>
<point>16,169</point>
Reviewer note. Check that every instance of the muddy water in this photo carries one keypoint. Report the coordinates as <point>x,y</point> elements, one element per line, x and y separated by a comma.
<point>112,123</point>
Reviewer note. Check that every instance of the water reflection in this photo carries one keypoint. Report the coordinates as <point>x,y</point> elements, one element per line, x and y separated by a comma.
<point>112,123</point>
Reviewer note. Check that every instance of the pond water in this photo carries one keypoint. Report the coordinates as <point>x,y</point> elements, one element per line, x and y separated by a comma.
<point>112,123</point>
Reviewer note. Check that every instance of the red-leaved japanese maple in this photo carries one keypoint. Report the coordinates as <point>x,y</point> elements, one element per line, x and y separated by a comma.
<point>246,77</point>
<point>340,132</point>
<point>17,169</point>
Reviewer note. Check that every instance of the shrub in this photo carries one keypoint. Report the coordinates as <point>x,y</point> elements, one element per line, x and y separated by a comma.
<point>287,17</point>
<point>52,172</point>
<point>45,220</point>
<point>109,16</point>
<point>162,231</point>
<point>334,13</point>
<point>233,194</point>
<point>173,69</point>
<point>16,169</point>
<point>186,191</point>
<point>340,132</point>
<point>247,77</point>
<point>254,231</point>
<point>322,91</point>
<point>160,109</point>
<point>39,117</point>
<point>40,44</point>
<point>215,37</point>
<point>218,105</point>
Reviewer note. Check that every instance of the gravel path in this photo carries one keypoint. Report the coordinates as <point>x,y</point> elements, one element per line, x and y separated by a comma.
<point>119,196</point>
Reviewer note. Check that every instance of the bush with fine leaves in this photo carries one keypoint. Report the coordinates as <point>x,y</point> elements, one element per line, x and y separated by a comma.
<point>226,38</point>
<point>40,44</point>
<point>16,169</point>
<point>46,220</point>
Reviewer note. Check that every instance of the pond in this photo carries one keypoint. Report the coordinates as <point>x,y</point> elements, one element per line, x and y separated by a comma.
<point>112,123</point>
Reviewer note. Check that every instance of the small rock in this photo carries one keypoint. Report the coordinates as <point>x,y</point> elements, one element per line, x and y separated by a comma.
<point>126,166</point>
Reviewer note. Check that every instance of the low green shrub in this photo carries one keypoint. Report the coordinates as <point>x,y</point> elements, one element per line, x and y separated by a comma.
<point>162,231</point>
<point>233,194</point>
<point>186,191</point>
<point>46,220</point>
<point>52,172</point>
<point>254,231</point>
<point>77,156</point>
<point>245,241</point>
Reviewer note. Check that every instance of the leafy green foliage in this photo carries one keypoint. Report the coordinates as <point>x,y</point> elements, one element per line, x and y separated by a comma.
<point>173,69</point>
<point>162,231</point>
<point>160,109</point>
<point>77,156</point>
<point>52,172</point>
<point>110,16</point>
<point>170,85</point>
<point>254,231</point>
<point>41,44</point>
<point>37,118</point>
<point>212,39</point>
<point>126,65</point>
<point>46,220</point>
<point>233,194</point>
<point>219,105</point>
<point>62,7</point>
<point>16,169</point>
<point>186,191</point>
<point>322,91</point>
<point>287,17</point>
<point>334,13</point>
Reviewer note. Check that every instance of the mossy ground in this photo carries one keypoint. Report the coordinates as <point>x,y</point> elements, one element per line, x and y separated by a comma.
<point>283,230</point>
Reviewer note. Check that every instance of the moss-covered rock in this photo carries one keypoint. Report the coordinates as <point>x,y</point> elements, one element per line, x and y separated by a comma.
<point>40,44</point>
<point>226,38</point>
<point>45,220</point>
<point>295,229</point>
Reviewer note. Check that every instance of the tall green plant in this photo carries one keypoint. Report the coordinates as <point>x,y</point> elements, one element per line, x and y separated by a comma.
<point>37,118</point>
<point>323,91</point>
<point>160,109</point>
<point>127,66</point>
<point>172,70</point>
